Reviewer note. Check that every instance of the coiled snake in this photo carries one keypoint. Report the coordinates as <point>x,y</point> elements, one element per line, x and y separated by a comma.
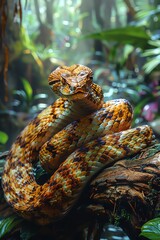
<point>78,128</point>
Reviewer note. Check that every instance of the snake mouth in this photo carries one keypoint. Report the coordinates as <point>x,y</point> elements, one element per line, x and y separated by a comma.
<point>77,95</point>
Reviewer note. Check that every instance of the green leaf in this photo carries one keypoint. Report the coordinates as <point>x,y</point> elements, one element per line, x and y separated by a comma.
<point>155,43</point>
<point>151,52</point>
<point>134,35</point>
<point>151,229</point>
<point>146,14</point>
<point>152,64</point>
<point>127,50</point>
<point>21,94</point>
<point>3,137</point>
<point>40,96</point>
<point>9,224</point>
<point>27,88</point>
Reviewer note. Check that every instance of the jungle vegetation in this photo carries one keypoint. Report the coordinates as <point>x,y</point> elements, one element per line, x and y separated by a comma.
<point>118,39</point>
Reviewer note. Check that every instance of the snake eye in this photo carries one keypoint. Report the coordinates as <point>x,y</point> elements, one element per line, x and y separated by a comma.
<point>82,73</point>
<point>54,82</point>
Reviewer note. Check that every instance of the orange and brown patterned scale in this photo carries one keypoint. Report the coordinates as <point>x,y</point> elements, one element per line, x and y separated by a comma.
<point>99,137</point>
<point>114,116</point>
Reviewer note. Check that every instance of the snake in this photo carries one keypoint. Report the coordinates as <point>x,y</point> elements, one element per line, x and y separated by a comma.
<point>73,139</point>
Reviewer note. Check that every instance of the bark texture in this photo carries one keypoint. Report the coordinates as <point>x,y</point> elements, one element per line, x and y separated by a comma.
<point>128,193</point>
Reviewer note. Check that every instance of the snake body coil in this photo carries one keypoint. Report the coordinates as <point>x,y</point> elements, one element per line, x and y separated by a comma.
<point>78,128</point>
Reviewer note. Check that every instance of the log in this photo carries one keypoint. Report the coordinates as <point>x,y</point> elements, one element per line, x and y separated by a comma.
<point>128,193</point>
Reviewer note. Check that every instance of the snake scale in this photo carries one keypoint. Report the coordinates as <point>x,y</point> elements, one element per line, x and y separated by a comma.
<point>73,138</point>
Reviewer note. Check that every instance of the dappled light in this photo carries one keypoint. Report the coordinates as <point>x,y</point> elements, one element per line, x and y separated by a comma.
<point>115,44</point>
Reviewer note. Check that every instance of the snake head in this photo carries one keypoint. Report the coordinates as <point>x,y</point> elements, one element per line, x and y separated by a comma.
<point>72,82</point>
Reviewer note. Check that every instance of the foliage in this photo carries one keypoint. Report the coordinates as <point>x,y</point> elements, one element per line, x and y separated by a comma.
<point>13,224</point>
<point>132,51</point>
<point>153,56</point>
<point>151,229</point>
<point>26,101</point>
<point>9,224</point>
<point>140,34</point>
<point>135,35</point>
<point>3,140</point>
<point>25,105</point>
<point>3,137</point>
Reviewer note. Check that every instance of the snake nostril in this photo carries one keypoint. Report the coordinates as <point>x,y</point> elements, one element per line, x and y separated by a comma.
<point>72,88</point>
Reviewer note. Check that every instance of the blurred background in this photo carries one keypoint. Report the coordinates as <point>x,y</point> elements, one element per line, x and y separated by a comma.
<point>118,39</point>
